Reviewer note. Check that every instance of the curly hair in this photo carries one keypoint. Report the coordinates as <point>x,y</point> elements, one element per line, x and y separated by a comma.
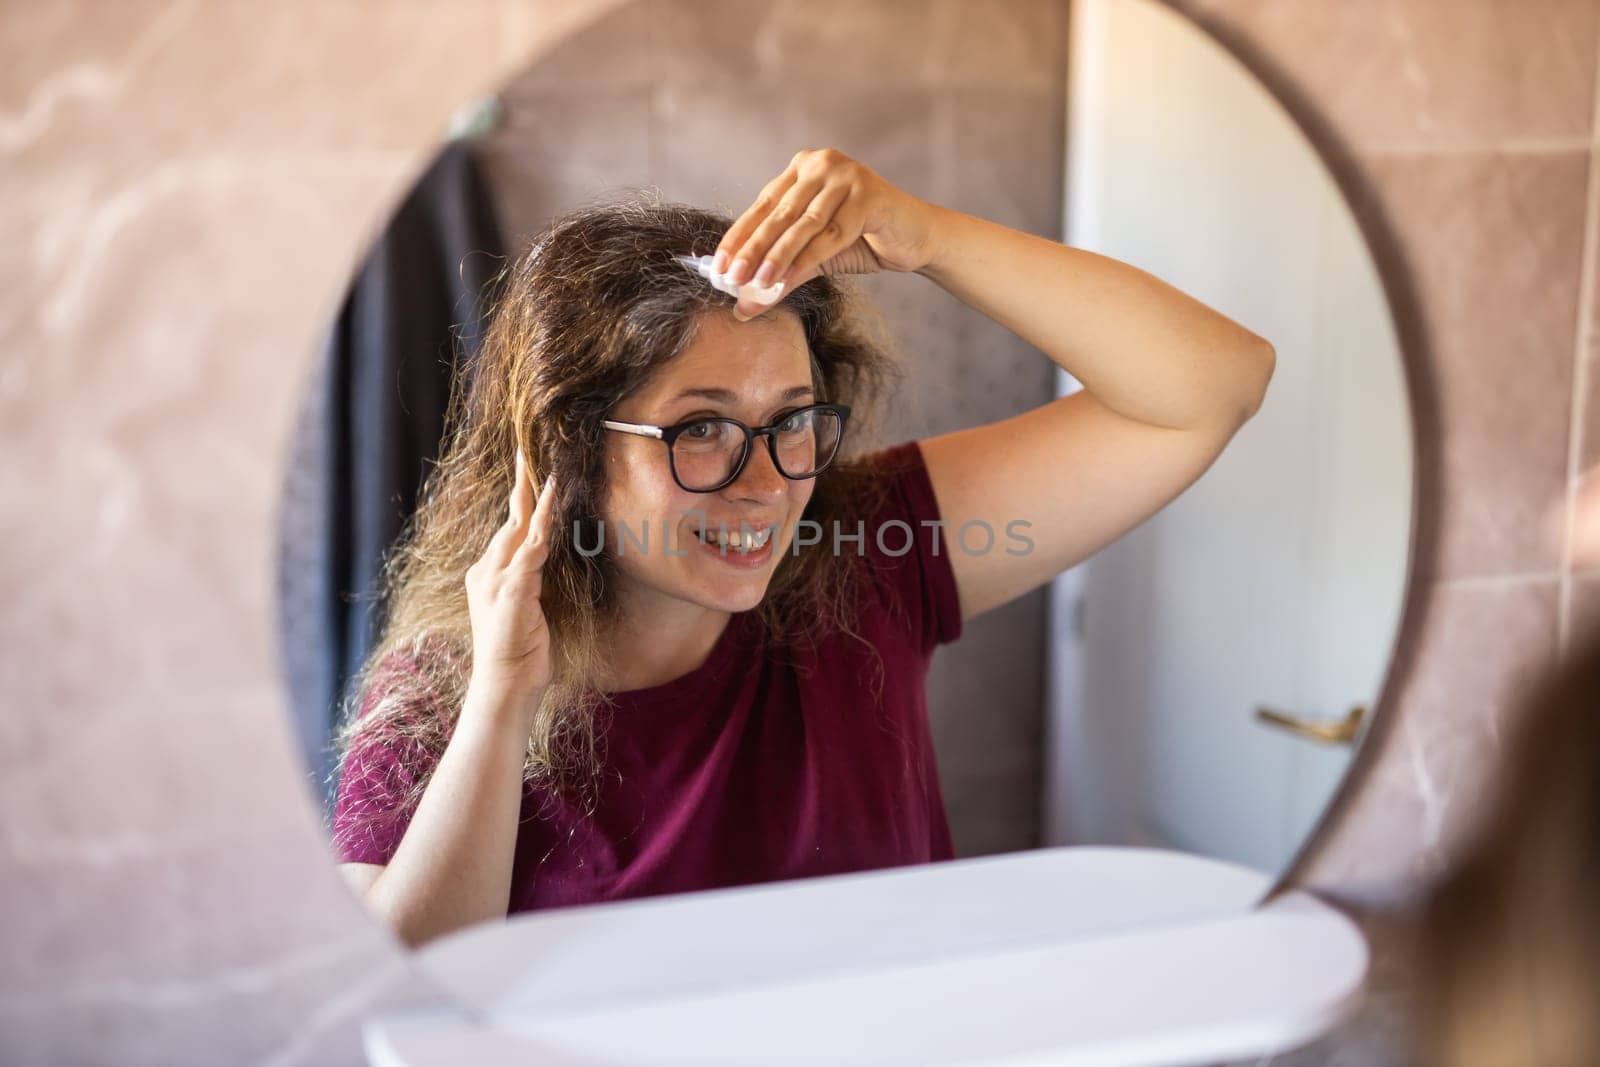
<point>593,308</point>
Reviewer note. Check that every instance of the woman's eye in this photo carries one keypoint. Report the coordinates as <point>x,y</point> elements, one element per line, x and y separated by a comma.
<point>794,423</point>
<point>698,431</point>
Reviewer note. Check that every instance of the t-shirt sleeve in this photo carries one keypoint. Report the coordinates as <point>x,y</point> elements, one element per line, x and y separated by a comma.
<point>906,541</point>
<point>371,811</point>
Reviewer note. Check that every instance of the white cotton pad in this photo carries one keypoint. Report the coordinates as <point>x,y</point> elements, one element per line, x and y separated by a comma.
<point>761,294</point>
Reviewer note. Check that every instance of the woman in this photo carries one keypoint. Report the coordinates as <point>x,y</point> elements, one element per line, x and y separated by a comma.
<point>577,712</point>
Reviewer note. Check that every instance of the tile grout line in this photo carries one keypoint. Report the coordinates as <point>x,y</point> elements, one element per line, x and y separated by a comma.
<point>1580,369</point>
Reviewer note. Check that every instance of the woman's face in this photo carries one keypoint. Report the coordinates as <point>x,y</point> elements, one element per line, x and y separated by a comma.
<point>752,371</point>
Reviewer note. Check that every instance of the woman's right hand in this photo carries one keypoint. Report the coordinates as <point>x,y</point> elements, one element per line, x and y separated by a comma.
<point>510,641</point>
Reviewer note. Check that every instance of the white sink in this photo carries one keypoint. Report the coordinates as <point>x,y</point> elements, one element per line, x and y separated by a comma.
<point>1061,956</point>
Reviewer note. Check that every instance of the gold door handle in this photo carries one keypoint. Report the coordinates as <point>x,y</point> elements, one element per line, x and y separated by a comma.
<point>1327,731</point>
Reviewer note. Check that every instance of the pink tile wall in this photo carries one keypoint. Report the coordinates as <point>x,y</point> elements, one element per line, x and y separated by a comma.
<point>182,197</point>
<point>1464,134</point>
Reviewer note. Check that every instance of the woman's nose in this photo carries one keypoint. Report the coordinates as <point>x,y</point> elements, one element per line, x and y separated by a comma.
<point>760,479</point>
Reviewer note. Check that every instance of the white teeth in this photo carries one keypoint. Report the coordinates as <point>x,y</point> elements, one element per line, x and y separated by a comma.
<point>744,541</point>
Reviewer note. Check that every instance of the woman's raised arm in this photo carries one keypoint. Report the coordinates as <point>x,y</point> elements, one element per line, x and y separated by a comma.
<point>1167,380</point>
<point>453,866</point>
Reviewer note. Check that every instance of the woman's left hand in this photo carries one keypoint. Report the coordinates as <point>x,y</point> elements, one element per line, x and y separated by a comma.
<point>826,214</point>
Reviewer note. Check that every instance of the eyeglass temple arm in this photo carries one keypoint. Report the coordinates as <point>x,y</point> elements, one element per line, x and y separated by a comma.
<point>633,428</point>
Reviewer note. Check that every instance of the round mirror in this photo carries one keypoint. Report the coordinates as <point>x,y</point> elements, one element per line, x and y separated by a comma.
<point>1200,683</point>
<point>1215,669</point>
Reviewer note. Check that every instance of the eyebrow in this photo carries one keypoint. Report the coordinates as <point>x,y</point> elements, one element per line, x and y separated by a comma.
<point>728,397</point>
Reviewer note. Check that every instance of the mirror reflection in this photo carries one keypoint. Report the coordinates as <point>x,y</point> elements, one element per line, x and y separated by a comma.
<point>1213,671</point>
<point>1009,508</point>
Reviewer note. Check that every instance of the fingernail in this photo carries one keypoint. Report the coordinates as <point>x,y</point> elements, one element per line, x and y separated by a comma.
<point>548,482</point>
<point>741,316</point>
<point>764,275</point>
<point>718,262</point>
<point>739,270</point>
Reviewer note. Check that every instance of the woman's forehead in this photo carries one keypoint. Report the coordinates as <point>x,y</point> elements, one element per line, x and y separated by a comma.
<point>755,361</point>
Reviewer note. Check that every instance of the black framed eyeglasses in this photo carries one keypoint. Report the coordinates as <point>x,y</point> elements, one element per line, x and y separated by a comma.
<point>709,453</point>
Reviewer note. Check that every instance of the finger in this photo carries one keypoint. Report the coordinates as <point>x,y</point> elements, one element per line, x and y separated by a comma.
<point>782,218</point>
<point>542,520</point>
<point>734,240</point>
<point>534,550</point>
<point>830,224</point>
<point>500,546</point>
<point>511,531</point>
<point>859,258</point>
<point>794,221</point>
<point>521,490</point>
<point>820,227</point>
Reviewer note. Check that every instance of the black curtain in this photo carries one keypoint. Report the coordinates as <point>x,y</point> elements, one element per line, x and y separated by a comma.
<point>370,427</point>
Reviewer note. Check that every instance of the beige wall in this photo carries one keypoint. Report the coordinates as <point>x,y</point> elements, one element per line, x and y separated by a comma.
<point>187,185</point>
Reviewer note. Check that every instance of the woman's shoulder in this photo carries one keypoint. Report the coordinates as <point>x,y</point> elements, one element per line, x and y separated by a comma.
<point>401,709</point>
<point>390,744</point>
<point>873,476</point>
<point>420,670</point>
<point>891,523</point>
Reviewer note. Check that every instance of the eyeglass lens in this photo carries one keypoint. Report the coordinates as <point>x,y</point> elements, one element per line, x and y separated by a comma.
<point>707,453</point>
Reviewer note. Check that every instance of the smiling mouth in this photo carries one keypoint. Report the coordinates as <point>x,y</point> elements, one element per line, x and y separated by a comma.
<point>745,540</point>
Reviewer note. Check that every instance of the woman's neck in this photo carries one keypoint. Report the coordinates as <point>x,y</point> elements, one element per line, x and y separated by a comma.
<point>652,644</point>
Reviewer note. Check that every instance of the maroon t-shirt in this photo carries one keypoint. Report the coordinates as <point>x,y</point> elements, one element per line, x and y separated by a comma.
<point>763,763</point>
